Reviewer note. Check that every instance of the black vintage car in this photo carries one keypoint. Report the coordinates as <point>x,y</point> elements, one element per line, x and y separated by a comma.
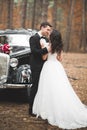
<point>14,67</point>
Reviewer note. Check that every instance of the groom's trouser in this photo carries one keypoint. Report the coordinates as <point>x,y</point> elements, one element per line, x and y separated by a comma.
<point>33,91</point>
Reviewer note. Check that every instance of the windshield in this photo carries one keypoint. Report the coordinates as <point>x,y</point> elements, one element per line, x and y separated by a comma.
<point>18,40</point>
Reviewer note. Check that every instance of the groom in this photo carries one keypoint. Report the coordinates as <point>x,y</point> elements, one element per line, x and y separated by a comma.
<point>36,60</point>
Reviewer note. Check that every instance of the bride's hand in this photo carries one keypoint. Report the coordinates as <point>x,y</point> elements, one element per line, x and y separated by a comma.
<point>49,47</point>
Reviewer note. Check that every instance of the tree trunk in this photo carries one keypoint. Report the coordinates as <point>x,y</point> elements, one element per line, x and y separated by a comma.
<point>24,8</point>
<point>55,13</point>
<point>69,25</point>
<point>10,14</point>
<point>33,16</point>
<point>44,10</point>
<point>84,44</point>
<point>1,8</point>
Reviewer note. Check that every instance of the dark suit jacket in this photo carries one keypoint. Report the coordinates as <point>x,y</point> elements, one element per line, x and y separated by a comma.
<point>36,60</point>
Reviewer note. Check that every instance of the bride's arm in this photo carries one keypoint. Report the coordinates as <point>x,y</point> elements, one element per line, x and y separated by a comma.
<point>59,56</point>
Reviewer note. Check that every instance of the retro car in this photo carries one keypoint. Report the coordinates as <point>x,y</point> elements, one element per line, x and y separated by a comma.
<point>14,67</point>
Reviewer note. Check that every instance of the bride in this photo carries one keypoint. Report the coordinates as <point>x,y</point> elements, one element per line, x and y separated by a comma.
<point>56,100</point>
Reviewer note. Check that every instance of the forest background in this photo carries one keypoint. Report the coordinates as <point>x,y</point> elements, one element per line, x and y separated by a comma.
<point>67,16</point>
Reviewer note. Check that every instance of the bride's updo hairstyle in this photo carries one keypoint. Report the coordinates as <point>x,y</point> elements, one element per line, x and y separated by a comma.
<point>56,42</point>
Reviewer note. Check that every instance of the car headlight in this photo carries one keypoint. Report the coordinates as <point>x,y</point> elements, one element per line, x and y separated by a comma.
<point>13,62</point>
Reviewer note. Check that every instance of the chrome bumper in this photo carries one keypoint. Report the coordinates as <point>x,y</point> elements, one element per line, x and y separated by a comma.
<point>15,85</point>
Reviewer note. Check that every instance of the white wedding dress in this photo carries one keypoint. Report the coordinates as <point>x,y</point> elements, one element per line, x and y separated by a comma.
<point>56,100</point>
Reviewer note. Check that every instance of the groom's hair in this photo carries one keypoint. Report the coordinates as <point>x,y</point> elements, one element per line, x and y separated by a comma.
<point>44,24</point>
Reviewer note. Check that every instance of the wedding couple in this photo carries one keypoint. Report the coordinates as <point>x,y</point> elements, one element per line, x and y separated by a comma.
<point>52,96</point>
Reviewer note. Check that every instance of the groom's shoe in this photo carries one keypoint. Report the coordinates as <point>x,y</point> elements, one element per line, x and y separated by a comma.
<point>30,112</point>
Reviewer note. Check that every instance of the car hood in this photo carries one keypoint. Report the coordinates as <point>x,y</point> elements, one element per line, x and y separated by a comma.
<point>20,53</point>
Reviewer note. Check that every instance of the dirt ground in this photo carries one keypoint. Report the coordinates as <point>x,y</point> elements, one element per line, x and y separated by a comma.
<point>14,115</point>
